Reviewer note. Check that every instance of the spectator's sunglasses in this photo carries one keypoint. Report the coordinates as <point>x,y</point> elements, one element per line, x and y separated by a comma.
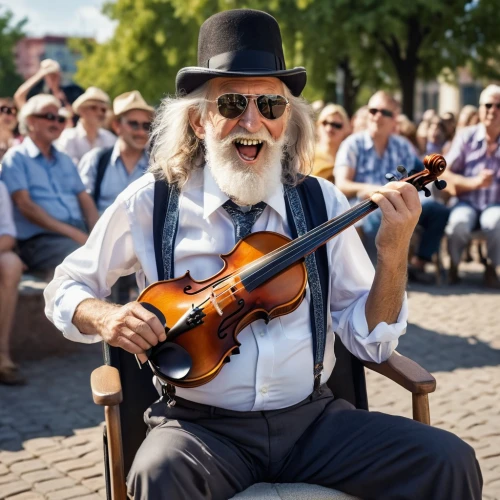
<point>489,105</point>
<point>336,125</point>
<point>135,125</point>
<point>8,110</point>
<point>384,112</point>
<point>51,117</point>
<point>270,106</point>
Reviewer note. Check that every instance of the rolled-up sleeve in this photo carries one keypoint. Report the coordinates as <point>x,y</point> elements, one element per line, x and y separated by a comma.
<point>352,276</point>
<point>91,271</point>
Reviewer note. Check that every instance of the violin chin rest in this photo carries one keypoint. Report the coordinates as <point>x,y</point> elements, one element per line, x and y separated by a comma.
<point>172,361</point>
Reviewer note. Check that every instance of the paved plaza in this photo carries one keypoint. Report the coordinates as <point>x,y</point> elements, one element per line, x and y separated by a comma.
<point>51,432</point>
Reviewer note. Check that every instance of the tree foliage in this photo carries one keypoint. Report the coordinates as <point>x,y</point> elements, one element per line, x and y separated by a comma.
<point>377,44</point>
<point>10,34</point>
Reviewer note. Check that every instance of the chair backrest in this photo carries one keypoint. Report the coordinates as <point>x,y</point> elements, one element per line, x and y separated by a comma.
<point>347,382</point>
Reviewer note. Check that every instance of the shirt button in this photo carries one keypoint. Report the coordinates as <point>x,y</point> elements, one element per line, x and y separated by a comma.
<point>262,334</point>
<point>263,389</point>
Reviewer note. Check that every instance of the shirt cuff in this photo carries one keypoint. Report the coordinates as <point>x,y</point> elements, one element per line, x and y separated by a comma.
<point>383,332</point>
<point>67,299</point>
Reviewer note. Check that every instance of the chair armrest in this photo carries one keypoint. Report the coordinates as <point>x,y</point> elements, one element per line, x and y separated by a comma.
<point>106,386</point>
<point>405,372</point>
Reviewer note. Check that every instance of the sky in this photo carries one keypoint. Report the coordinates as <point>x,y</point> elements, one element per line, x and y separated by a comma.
<point>62,17</point>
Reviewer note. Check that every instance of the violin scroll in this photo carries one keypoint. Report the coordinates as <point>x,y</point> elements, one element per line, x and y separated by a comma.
<point>435,165</point>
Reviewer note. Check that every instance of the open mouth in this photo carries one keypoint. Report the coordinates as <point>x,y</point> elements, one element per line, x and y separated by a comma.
<point>248,149</point>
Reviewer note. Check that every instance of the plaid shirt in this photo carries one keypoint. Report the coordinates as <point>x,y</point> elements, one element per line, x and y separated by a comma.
<point>358,152</point>
<point>467,157</point>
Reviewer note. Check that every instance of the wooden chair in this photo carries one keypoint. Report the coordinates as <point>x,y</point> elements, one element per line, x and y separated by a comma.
<point>126,392</point>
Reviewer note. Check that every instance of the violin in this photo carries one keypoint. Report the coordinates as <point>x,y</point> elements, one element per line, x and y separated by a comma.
<point>264,276</point>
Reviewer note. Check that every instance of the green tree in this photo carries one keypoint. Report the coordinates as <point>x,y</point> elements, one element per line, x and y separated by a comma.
<point>377,44</point>
<point>10,34</point>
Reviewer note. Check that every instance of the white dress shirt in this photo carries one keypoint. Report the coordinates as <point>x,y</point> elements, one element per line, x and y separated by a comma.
<point>75,143</point>
<point>275,367</point>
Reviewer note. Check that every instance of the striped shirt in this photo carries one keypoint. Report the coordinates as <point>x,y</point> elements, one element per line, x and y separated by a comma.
<point>467,157</point>
<point>358,152</point>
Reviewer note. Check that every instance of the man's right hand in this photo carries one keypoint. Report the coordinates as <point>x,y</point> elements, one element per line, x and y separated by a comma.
<point>131,327</point>
<point>484,179</point>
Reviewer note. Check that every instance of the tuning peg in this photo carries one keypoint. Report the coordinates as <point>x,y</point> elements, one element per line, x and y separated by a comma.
<point>440,184</point>
<point>426,191</point>
<point>391,177</point>
<point>402,171</point>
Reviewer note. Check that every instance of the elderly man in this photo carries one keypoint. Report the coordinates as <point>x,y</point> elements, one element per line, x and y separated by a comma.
<point>11,269</point>
<point>107,172</point>
<point>88,134</point>
<point>474,160</point>
<point>362,162</point>
<point>232,148</point>
<point>52,211</point>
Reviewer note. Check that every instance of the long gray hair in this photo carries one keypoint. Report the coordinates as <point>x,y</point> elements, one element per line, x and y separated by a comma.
<point>177,151</point>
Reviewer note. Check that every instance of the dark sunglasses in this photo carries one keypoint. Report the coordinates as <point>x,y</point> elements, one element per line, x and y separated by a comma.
<point>8,110</point>
<point>135,125</point>
<point>51,117</point>
<point>336,125</point>
<point>270,106</point>
<point>489,105</point>
<point>384,112</point>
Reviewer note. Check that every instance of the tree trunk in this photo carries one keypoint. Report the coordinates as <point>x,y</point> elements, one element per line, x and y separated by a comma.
<point>407,74</point>
<point>350,89</point>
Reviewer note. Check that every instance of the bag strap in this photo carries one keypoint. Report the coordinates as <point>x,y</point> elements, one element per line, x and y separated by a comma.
<point>102,164</point>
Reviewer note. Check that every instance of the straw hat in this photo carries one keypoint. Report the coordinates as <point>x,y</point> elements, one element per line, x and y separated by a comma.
<point>128,101</point>
<point>91,94</point>
<point>50,66</point>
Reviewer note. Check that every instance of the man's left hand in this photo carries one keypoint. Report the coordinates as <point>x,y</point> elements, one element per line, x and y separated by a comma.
<point>401,209</point>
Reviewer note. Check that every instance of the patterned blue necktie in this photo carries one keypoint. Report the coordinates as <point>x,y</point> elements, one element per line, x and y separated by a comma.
<point>243,221</point>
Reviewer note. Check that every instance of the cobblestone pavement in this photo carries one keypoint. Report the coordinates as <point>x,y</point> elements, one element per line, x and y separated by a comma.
<point>51,435</point>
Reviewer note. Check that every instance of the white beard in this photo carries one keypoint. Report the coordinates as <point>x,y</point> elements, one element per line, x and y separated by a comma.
<point>245,184</point>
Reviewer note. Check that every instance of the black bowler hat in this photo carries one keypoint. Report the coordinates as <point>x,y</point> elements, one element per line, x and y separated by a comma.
<point>240,43</point>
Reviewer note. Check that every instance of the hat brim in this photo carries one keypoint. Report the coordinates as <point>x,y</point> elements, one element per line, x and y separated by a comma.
<point>190,78</point>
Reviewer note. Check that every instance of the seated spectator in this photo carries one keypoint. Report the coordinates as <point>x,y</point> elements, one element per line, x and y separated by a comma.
<point>8,125</point>
<point>332,127</point>
<point>469,115</point>
<point>47,80</point>
<point>474,174</point>
<point>11,269</point>
<point>359,120</point>
<point>88,134</point>
<point>423,128</point>
<point>436,136</point>
<point>50,202</point>
<point>107,172</point>
<point>407,129</point>
<point>362,162</point>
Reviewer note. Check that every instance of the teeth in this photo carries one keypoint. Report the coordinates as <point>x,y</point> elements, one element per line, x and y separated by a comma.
<point>248,142</point>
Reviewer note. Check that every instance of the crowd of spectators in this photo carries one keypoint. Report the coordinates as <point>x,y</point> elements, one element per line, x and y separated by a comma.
<point>67,154</point>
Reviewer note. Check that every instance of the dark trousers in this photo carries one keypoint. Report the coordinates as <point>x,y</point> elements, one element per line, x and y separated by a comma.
<point>433,220</point>
<point>199,452</point>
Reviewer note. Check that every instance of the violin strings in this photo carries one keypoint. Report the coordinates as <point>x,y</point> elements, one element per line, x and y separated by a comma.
<point>312,237</point>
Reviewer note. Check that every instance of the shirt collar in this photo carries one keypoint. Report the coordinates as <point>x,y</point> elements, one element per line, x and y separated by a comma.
<point>80,131</point>
<point>115,155</point>
<point>214,198</point>
<point>33,151</point>
<point>368,141</point>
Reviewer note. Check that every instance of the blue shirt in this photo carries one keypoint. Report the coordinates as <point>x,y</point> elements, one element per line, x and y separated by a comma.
<point>116,177</point>
<point>52,184</point>
<point>358,152</point>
